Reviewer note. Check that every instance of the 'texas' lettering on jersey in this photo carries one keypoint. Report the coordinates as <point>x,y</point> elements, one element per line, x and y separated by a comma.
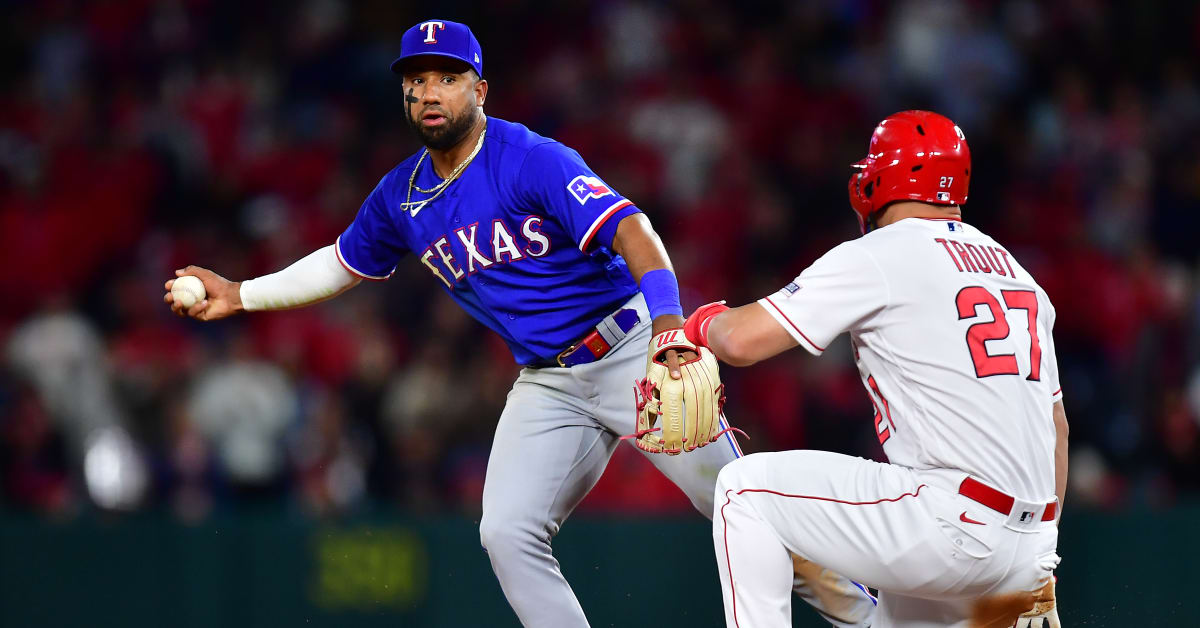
<point>483,248</point>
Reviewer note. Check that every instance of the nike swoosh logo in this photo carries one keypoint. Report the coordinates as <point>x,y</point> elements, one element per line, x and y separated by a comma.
<point>965,519</point>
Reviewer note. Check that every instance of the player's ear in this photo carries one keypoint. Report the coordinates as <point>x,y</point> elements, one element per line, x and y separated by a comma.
<point>481,87</point>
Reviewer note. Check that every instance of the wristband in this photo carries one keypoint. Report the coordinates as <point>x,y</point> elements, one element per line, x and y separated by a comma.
<point>662,293</point>
<point>696,326</point>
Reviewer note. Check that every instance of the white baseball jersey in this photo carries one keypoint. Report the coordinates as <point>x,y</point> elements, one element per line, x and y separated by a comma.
<point>953,340</point>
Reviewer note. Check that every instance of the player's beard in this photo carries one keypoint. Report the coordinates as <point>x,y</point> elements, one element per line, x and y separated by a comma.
<point>447,135</point>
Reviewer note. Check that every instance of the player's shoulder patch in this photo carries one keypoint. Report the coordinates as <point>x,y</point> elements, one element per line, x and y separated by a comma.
<point>792,288</point>
<point>584,187</point>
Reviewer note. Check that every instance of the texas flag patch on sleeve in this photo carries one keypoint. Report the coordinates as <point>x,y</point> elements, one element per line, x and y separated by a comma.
<point>584,187</point>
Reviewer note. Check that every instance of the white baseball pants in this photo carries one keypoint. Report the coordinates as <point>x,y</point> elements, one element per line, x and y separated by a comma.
<point>930,551</point>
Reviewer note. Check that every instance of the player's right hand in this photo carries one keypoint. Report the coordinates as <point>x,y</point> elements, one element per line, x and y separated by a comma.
<point>223,297</point>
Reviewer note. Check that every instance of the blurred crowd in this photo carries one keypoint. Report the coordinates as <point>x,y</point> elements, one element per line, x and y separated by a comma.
<point>139,136</point>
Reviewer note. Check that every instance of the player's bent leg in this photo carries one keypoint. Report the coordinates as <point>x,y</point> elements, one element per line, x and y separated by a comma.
<point>545,458</point>
<point>891,528</point>
<point>843,603</point>
<point>747,550</point>
<point>857,517</point>
<point>755,569</point>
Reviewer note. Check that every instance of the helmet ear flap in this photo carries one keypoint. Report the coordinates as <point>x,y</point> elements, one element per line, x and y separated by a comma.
<point>860,196</point>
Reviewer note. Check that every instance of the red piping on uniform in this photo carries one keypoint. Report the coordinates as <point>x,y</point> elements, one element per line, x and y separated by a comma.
<point>785,317</point>
<point>728,499</point>
<point>595,228</point>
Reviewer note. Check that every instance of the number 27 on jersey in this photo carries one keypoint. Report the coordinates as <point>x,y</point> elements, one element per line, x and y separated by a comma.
<point>987,364</point>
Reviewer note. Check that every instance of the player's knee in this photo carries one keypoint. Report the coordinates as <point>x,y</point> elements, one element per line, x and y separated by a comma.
<point>494,534</point>
<point>735,475</point>
<point>500,535</point>
<point>726,480</point>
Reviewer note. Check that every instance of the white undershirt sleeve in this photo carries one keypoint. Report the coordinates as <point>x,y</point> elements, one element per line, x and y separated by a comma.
<point>313,278</point>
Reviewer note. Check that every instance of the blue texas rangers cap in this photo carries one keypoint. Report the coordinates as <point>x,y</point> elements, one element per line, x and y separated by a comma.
<point>443,38</point>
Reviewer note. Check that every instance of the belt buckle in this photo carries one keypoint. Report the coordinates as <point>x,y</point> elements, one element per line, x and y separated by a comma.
<point>559,358</point>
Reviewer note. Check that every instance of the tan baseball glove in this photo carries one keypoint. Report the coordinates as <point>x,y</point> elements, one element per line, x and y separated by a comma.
<point>677,415</point>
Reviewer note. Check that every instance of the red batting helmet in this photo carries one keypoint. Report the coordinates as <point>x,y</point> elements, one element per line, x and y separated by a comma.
<point>913,156</point>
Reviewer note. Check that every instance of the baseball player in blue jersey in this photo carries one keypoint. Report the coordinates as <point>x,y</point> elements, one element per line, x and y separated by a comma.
<point>528,240</point>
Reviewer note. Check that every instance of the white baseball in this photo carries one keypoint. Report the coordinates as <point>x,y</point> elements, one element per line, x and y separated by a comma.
<point>188,290</point>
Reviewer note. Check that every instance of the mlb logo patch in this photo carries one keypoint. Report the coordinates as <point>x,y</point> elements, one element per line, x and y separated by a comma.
<point>943,196</point>
<point>792,288</point>
<point>951,226</point>
<point>584,187</point>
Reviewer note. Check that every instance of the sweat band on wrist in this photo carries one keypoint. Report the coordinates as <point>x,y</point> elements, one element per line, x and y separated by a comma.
<point>662,293</point>
<point>696,325</point>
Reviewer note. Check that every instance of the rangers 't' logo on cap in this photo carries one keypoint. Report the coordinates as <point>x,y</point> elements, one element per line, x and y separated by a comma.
<point>440,37</point>
<point>431,29</point>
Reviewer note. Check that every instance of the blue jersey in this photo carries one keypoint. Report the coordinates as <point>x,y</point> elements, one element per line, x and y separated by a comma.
<point>522,240</point>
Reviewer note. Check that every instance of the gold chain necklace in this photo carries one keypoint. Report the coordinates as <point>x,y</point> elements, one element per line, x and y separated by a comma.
<point>416,206</point>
